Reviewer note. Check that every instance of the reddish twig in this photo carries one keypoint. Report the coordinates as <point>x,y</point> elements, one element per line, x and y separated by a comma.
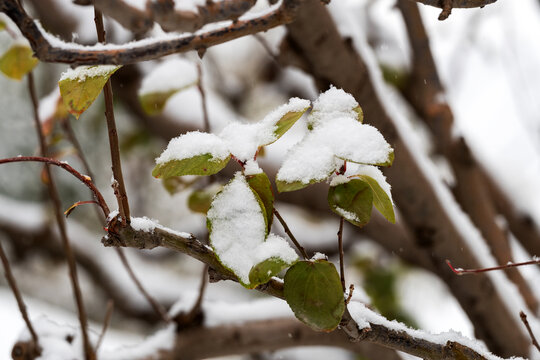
<point>291,236</point>
<point>86,180</point>
<point>203,99</point>
<point>531,334</point>
<point>460,271</point>
<point>20,302</point>
<point>57,206</point>
<point>78,203</point>
<point>122,198</point>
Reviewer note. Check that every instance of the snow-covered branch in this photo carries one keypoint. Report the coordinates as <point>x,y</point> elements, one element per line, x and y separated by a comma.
<point>51,49</point>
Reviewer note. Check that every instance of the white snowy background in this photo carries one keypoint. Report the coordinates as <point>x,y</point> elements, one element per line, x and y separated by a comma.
<point>487,58</point>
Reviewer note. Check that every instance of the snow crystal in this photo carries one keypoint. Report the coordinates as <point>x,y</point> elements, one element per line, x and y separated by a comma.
<point>333,103</point>
<point>238,230</point>
<point>80,73</point>
<point>364,316</point>
<point>172,74</point>
<point>192,144</point>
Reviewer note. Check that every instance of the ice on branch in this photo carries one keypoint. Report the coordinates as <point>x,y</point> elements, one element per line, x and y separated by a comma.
<point>335,135</point>
<point>238,231</point>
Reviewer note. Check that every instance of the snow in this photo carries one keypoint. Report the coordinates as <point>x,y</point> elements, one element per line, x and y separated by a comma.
<point>192,144</point>
<point>339,179</point>
<point>294,105</point>
<point>171,74</point>
<point>81,73</point>
<point>333,103</point>
<point>24,215</point>
<point>252,168</point>
<point>49,104</point>
<point>364,316</point>
<point>347,214</point>
<point>163,339</point>
<point>319,256</point>
<point>238,230</point>
<point>149,225</point>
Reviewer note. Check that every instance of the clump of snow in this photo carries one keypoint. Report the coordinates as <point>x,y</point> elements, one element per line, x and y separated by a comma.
<point>252,168</point>
<point>192,144</point>
<point>339,179</point>
<point>243,140</point>
<point>113,214</point>
<point>172,74</point>
<point>143,224</point>
<point>336,135</point>
<point>81,73</point>
<point>294,105</point>
<point>319,256</point>
<point>333,103</point>
<point>238,230</point>
<point>364,317</point>
<point>347,214</point>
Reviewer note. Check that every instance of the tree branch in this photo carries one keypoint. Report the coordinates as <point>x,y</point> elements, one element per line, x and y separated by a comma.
<point>465,4</point>
<point>50,49</point>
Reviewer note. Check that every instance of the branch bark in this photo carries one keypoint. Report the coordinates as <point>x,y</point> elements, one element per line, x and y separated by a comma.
<point>55,50</point>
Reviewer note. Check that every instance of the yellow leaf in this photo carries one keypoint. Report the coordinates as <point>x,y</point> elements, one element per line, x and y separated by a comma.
<point>18,61</point>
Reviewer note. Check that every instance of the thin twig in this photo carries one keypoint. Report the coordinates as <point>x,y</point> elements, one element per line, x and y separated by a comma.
<point>531,334</point>
<point>106,321</point>
<point>122,198</point>
<point>291,236</point>
<point>86,180</point>
<point>340,248</point>
<point>57,206</point>
<point>20,302</point>
<point>204,281</point>
<point>203,99</point>
<point>266,47</point>
<point>460,271</point>
<point>158,308</point>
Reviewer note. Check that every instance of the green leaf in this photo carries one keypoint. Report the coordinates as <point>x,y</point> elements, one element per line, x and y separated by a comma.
<point>360,113</point>
<point>2,25</point>
<point>204,164</point>
<point>261,185</point>
<point>287,121</point>
<point>200,200</point>
<point>262,272</point>
<point>284,186</point>
<point>18,61</point>
<point>352,200</point>
<point>81,86</point>
<point>381,200</point>
<point>314,293</point>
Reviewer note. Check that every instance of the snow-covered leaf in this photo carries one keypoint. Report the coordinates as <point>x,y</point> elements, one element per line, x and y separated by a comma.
<point>164,81</point>
<point>285,116</point>
<point>193,153</point>
<point>81,86</point>
<point>307,163</point>
<point>313,291</point>
<point>18,61</point>
<point>381,200</point>
<point>238,227</point>
<point>333,104</point>
<point>261,185</point>
<point>353,200</point>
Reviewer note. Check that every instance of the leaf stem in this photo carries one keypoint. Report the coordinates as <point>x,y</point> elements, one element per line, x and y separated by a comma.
<point>340,247</point>
<point>291,236</point>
